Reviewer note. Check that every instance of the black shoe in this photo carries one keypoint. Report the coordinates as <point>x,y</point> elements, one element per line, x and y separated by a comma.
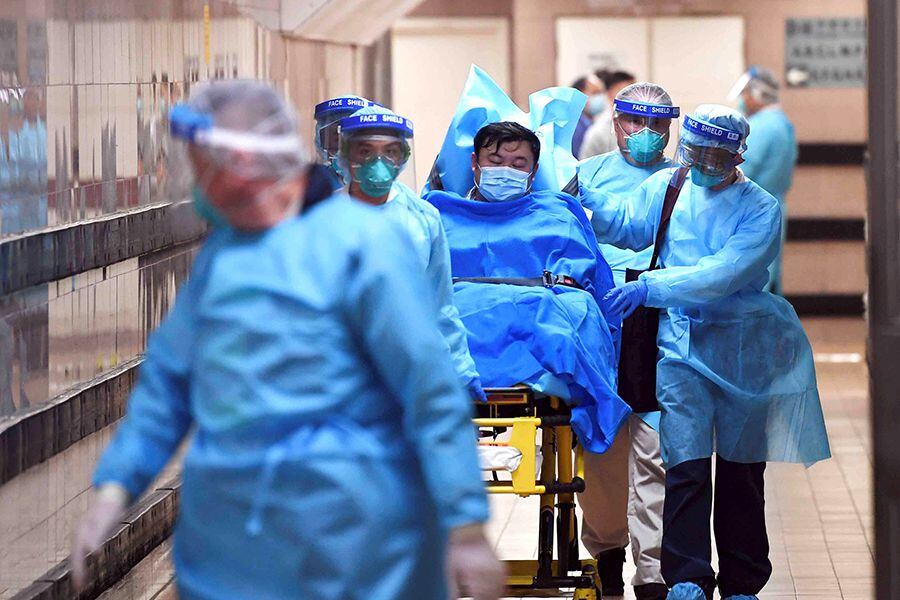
<point>651,591</point>
<point>609,567</point>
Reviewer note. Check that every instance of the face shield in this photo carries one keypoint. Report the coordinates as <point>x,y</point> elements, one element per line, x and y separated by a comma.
<point>376,150</point>
<point>646,128</point>
<point>714,162</point>
<point>229,166</point>
<point>759,82</point>
<point>328,117</point>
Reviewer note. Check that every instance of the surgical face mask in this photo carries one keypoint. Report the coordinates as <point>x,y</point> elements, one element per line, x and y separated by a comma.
<point>742,105</point>
<point>596,104</point>
<point>376,176</point>
<point>699,177</point>
<point>645,146</point>
<point>501,184</point>
<point>205,210</point>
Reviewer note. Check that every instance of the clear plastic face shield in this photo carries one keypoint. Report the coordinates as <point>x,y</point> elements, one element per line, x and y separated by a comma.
<point>328,117</point>
<point>711,152</point>
<point>758,83</point>
<point>645,127</point>
<point>375,151</point>
<point>233,174</point>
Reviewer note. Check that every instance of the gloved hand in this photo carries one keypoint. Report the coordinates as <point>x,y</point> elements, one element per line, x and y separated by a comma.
<point>473,566</point>
<point>105,510</point>
<point>627,298</point>
<point>475,390</point>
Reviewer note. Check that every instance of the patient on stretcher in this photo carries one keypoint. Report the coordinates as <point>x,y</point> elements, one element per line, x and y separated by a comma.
<point>529,280</point>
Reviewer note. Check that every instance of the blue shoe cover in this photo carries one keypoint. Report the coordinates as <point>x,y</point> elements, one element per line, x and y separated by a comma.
<point>686,591</point>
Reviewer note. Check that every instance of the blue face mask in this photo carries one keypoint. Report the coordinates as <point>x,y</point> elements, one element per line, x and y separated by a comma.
<point>596,104</point>
<point>376,177</point>
<point>704,179</point>
<point>500,184</point>
<point>645,146</point>
<point>742,104</point>
<point>205,210</point>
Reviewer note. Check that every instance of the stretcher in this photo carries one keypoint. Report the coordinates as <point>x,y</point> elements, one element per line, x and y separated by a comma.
<point>516,415</point>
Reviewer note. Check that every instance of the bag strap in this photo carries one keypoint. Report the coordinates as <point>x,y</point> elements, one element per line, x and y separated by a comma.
<point>672,192</point>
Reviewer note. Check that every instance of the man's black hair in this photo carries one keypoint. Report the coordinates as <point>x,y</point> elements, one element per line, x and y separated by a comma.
<point>504,132</point>
<point>580,84</point>
<point>611,78</point>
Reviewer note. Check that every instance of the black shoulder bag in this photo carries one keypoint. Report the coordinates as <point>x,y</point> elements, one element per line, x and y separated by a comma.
<point>637,363</point>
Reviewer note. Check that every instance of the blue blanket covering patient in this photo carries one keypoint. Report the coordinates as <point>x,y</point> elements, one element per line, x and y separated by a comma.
<point>556,340</point>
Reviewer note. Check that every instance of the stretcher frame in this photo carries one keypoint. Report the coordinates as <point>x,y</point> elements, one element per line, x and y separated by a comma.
<point>523,411</point>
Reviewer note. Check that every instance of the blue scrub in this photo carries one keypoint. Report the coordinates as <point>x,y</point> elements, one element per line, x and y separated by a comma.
<point>332,446</point>
<point>422,223</point>
<point>615,176</point>
<point>736,374</point>
<point>769,161</point>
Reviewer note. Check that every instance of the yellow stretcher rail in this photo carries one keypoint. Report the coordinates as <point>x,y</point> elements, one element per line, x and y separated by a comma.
<point>521,413</point>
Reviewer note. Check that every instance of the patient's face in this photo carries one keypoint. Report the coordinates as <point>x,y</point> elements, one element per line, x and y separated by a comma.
<point>516,154</point>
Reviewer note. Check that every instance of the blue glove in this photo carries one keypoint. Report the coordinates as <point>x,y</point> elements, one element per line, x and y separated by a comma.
<point>626,299</point>
<point>475,390</point>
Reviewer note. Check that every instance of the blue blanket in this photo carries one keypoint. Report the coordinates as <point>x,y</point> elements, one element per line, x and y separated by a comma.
<point>555,340</point>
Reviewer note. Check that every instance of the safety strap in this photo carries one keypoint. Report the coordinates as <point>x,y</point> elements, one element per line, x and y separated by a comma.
<point>434,178</point>
<point>571,188</point>
<point>547,280</point>
<point>672,192</point>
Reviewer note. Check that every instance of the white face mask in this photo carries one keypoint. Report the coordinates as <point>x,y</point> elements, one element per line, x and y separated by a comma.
<point>500,184</point>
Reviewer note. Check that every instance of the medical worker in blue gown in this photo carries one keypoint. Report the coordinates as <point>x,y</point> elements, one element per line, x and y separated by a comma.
<point>331,453</point>
<point>374,149</point>
<point>626,485</point>
<point>735,376</point>
<point>771,147</point>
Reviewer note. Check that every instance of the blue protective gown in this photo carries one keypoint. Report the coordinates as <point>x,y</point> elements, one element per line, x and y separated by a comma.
<point>332,445</point>
<point>736,373</point>
<point>769,161</point>
<point>555,340</point>
<point>422,222</point>
<point>616,176</point>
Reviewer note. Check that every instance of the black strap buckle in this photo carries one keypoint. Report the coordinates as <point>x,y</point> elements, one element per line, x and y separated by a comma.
<point>548,279</point>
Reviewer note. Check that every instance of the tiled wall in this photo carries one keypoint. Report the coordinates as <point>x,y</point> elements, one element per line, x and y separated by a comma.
<point>84,91</point>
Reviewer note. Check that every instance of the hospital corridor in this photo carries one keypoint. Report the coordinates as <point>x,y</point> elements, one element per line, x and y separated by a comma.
<point>439,299</point>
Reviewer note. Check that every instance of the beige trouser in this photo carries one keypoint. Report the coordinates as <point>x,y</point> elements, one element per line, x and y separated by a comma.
<point>624,493</point>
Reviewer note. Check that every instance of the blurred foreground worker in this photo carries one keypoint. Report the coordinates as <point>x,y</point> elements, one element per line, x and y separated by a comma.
<point>735,375</point>
<point>596,104</point>
<point>626,485</point>
<point>328,115</point>
<point>771,146</point>
<point>332,453</point>
<point>600,137</point>
<point>375,146</point>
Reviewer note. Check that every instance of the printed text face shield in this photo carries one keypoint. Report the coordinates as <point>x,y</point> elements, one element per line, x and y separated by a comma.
<point>328,116</point>
<point>377,150</point>
<point>633,116</point>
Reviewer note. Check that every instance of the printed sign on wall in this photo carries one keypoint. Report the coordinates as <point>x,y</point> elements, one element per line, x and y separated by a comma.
<point>825,53</point>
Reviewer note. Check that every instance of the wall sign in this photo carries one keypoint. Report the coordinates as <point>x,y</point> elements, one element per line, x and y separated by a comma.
<point>825,53</point>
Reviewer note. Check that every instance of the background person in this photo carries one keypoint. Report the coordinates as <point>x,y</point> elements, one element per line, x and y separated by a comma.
<point>600,137</point>
<point>771,147</point>
<point>592,87</point>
